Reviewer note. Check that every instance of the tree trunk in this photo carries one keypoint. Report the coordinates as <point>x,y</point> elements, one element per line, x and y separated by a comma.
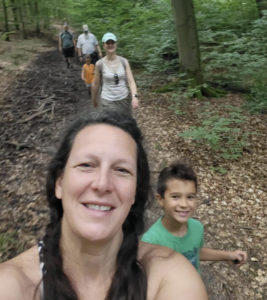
<point>22,20</point>
<point>261,5</point>
<point>37,17</point>
<point>188,47</point>
<point>187,40</point>
<point>6,20</point>
<point>15,13</point>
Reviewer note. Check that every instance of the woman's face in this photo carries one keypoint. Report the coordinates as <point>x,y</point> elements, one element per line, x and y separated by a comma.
<point>98,185</point>
<point>110,46</point>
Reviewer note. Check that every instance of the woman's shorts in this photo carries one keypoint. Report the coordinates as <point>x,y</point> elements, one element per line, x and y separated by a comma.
<point>68,52</point>
<point>123,106</point>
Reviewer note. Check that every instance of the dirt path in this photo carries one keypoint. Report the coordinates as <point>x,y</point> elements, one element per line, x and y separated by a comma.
<point>43,99</point>
<point>231,208</point>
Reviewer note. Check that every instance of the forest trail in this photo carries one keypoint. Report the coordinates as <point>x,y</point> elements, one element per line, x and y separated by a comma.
<point>47,96</point>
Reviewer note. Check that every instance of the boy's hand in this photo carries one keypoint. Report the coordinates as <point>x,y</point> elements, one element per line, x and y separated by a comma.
<point>239,256</point>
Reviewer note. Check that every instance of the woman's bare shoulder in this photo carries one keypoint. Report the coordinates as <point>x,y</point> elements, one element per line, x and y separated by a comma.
<point>19,277</point>
<point>170,275</point>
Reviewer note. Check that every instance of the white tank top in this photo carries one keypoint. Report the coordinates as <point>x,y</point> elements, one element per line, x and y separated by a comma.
<point>110,90</point>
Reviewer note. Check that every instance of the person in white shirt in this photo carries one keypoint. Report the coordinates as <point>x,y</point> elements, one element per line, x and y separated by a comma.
<point>114,79</point>
<point>88,44</point>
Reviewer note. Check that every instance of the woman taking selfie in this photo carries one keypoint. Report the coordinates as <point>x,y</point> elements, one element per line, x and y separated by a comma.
<point>97,189</point>
<point>113,74</point>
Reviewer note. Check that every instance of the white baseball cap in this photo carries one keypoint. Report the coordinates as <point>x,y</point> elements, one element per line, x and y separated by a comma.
<point>85,28</point>
<point>109,36</point>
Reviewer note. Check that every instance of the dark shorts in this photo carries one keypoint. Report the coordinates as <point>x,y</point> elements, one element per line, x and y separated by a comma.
<point>68,52</point>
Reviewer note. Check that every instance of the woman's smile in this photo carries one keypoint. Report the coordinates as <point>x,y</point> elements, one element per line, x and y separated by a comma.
<point>98,185</point>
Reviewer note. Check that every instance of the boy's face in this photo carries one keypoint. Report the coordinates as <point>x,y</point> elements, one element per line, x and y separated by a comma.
<point>88,60</point>
<point>179,201</point>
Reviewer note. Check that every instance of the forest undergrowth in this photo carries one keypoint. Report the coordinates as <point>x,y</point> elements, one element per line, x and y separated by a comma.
<point>233,188</point>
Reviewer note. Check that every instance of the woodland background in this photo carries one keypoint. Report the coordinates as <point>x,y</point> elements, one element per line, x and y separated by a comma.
<point>216,119</point>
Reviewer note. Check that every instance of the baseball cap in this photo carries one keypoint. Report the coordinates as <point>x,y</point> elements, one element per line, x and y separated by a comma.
<point>85,28</point>
<point>109,36</point>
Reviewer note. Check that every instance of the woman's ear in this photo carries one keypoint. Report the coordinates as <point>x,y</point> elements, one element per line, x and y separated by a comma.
<point>160,200</point>
<point>58,187</point>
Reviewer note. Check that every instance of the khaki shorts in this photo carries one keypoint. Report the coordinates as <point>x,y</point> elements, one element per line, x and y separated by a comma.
<point>124,106</point>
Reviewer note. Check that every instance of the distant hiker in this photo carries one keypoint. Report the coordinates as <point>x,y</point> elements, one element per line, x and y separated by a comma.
<point>113,73</point>
<point>88,44</point>
<point>67,44</point>
<point>88,73</point>
<point>177,195</point>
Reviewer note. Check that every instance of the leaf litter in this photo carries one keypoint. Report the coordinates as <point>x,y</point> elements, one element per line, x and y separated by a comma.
<point>231,205</point>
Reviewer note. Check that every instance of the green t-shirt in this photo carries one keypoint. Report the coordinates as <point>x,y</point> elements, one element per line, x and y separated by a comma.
<point>188,245</point>
<point>66,38</point>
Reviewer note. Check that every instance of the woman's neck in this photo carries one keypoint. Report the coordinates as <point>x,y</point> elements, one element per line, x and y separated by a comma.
<point>111,56</point>
<point>93,261</point>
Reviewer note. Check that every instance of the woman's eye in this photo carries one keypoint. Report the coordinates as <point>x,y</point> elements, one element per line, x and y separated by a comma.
<point>85,165</point>
<point>122,170</point>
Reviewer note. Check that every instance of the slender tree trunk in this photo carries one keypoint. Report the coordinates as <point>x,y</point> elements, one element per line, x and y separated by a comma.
<point>6,19</point>
<point>261,5</point>
<point>37,17</point>
<point>15,13</point>
<point>22,20</point>
<point>187,39</point>
<point>46,18</point>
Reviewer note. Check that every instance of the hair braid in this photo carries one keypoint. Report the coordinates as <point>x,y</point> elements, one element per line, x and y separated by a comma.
<point>129,281</point>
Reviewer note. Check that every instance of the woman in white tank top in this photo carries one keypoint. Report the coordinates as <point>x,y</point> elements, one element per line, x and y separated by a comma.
<point>113,73</point>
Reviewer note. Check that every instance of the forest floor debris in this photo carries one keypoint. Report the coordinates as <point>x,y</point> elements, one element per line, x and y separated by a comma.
<point>231,205</point>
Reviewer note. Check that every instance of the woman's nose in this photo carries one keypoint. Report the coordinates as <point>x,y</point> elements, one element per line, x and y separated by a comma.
<point>102,181</point>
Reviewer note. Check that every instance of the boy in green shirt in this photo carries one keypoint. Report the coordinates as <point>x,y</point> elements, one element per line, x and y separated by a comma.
<point>177,195</point>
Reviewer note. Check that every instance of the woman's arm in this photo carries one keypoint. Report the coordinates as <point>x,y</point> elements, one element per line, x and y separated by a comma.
<point>132,84</point>
<point>96,85</point>
<point>14,284</point>
<point>180,281</point>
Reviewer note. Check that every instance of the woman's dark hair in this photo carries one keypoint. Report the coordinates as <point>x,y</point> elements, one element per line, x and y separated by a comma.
<point>177,170</point>
<point>130,280</point>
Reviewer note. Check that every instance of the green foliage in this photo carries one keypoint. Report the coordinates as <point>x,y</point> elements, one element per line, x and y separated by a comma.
<point>178,101</point>
<point>6,35</point>
<point>7,241</point>
<point>221,133</point>
<point>257,99</point>
<point>219,170</point>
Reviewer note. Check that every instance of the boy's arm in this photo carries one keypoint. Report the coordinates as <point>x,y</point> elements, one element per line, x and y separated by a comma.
<point>82,75</point>
<point>221,255</point>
